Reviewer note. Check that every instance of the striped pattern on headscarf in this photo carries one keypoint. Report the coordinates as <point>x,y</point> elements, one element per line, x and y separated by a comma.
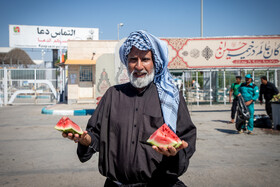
<point>167,91</point>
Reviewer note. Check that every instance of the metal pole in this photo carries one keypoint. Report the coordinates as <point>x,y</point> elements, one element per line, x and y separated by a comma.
<point>275,78</point>
<point>118,31</point>
<point>211,88</point>
<point>35,87</point>
<point>201,27</point>
<point>5,86</point>
<point>61,83</point>
<point>119,25</point>
<point>43,53</point>
<point>197,96</point>
<point>56,84</point>
<point>267,74</point>
<point>35,77</point>
<point>184,86</point>
<point>225,97</point>
<point>64,82</point>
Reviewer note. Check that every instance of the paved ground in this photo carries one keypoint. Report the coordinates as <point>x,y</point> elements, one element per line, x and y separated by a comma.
<point>33,153</point>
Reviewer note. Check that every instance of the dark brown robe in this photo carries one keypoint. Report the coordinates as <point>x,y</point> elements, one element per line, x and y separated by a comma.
<point>120,127</point>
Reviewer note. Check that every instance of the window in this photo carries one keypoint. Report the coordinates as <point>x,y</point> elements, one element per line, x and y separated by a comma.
<point>85,73</point>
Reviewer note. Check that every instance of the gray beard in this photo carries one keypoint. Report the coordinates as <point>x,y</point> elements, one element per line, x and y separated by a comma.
<point>143,81</point>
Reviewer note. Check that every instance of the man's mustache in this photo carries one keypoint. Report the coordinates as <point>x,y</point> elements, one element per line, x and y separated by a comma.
<point>142,71</point>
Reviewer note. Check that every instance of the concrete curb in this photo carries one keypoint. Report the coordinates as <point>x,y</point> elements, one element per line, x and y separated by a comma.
<point>82,112</point>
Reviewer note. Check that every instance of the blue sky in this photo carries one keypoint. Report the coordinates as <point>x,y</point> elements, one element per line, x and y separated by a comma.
<point>163,18</point>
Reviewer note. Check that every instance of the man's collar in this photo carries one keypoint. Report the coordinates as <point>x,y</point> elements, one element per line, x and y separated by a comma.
<point>143,91</point>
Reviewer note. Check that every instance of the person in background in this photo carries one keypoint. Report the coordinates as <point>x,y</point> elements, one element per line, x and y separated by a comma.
<point>267,90</point>
<point>250,93</point>
<point>234,91</point>
<point>195,84</point>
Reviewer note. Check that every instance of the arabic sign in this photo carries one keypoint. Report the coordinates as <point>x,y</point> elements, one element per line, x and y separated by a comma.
<point>24,36</point>
<point>224,52</point>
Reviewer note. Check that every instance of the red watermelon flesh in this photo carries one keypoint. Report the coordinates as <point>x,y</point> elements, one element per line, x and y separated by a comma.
<point>60,124</point>
<point>165,137</point>
<point>68,126</point>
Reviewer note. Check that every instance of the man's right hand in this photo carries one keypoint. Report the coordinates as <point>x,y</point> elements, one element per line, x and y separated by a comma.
<point>170,150</point>
<point>84,139</point>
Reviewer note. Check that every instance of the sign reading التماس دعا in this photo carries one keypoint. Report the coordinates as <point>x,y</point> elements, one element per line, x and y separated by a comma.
<point>224,52</point>
<point>25,36</point>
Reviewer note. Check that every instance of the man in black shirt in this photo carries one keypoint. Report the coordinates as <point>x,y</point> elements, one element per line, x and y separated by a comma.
<point>129,113</point>
<point>267,89</point>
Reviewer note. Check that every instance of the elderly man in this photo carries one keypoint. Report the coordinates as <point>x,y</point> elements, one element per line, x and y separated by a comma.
<point>250,93</point>
<point>129,113</point>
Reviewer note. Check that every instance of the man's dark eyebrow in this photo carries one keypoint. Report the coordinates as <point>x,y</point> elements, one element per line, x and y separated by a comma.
<point>146,58</point>
<point>132,58</point>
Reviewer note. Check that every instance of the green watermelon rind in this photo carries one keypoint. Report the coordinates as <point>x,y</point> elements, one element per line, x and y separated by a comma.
<point>73,131</point>
<point>69,130</point>
<point>174,144</point>
<point>163,145</point>
<point>178,144</point>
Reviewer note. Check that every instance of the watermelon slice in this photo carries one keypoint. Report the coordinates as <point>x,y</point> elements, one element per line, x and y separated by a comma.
<point>68,126</point>
<point>165,137</point>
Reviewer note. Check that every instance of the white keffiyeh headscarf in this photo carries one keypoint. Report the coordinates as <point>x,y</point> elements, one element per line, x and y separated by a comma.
<point>167,91</point>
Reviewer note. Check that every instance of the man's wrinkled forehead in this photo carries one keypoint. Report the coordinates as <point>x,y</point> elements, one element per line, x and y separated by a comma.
<point>137,52</point>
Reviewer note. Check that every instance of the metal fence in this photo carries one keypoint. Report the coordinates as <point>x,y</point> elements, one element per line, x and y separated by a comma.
<point>212,86</point>
<point>45,86</point>
<point>30,86</point>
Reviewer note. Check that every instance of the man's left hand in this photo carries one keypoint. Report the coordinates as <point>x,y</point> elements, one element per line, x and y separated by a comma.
<point>170,150</point>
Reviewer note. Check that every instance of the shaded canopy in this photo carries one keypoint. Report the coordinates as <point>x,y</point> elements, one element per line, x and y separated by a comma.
<point>14,56</point>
